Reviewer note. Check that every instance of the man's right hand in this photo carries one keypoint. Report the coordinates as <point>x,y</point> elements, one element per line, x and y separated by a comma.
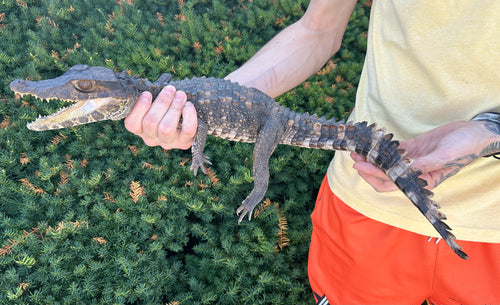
<point>157,122</point>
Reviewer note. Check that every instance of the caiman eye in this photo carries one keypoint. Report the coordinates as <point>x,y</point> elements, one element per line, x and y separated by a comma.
<point>84,85</point>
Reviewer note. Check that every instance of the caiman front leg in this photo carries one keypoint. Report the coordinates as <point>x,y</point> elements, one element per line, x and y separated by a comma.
<point>266,143</point>
<point>199,159</point>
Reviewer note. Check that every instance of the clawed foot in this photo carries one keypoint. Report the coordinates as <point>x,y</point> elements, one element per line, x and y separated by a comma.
<point>252,200</point>
<point>243,208</point>
<point>198,162</point>
<point>247,208</point>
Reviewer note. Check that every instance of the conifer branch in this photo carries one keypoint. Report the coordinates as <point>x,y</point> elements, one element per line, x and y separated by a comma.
<point>137,191</point>
<point>63,225</point>
<point>22,288</point>
<point>202,185</point>
<point>64,178</point>
<point>160,18</point>
<point>5,122</point>
<point>109,198</point>
<point>70,164</point>
<point>24,159</point>
<point>184,160</point>
<point>133,149</point>
<point>283,239</point>
<point>100,240</point>
<point>22,3</point>
<point>147,165</point>
<point>84,163</point>
<point>212,176</point>
<point>27,184</point>
<point>7,248</point>
<point>26,261</point>
<point>262,207</point>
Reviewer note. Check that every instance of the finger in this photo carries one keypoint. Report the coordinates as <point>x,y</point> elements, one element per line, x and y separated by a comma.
<point>378,183</point>
<point>369,169</point>
<point>189,126</point>
<point>159,108</point>
<point>356,157</point>
<point>168,129</point>
<point>373,175</point>
<point>133,122</point>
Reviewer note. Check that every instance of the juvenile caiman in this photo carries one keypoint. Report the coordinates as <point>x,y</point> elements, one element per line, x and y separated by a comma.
<point>233,112</point>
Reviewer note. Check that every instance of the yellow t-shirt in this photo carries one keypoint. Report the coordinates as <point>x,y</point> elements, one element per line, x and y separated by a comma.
<point>429,63</point>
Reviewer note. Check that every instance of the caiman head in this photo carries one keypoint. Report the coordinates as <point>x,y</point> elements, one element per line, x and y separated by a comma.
<point>97,93</point>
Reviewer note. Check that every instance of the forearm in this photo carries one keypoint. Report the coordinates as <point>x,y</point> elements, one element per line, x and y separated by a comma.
<point>298,51</point>
<point>285,62</point>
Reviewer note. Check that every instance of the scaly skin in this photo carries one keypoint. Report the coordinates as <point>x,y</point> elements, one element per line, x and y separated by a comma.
<point>233,112</point>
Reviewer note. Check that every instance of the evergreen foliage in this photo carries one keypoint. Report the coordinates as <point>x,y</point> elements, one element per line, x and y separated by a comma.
<point>91,215</point>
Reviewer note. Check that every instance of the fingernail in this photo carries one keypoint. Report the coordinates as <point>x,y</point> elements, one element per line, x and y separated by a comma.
<point>144,95</point>
<point>180,96</point>
<point>170,89</point>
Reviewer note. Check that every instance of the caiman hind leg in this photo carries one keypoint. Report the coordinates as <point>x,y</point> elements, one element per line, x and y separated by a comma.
<point>199,158</point>
<point>266,143</point>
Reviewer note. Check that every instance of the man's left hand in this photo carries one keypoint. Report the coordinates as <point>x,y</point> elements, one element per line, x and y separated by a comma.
<point>439,153</point>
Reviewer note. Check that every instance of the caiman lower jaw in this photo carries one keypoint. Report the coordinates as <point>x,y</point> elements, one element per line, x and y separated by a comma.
<point>81,112</point>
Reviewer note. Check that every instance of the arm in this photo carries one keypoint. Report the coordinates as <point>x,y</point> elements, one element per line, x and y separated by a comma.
<point>287,60</point>
<point>299,50</point>
<point>439,153</point>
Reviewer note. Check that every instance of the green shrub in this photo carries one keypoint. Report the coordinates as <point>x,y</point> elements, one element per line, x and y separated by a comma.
<point>90,215</point>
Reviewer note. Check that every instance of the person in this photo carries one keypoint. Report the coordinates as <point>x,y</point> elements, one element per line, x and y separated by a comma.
<point>430,67</point>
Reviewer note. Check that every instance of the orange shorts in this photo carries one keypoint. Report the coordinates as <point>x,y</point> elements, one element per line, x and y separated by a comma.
<point>357,260</point>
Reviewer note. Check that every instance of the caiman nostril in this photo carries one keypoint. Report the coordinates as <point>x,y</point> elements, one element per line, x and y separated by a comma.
<point>17,85</point>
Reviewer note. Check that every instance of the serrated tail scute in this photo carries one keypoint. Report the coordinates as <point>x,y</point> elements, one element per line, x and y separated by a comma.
<point>413,187</point>
<point>379,148</point>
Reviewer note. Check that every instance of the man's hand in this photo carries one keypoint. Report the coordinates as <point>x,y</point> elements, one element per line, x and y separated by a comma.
<point>157,123</point>
<point>439,153</point>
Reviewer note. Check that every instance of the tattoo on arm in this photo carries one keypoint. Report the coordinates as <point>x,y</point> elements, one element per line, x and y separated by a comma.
<point>493,127</point>
<point>493,148</point>
<point>455,166</point>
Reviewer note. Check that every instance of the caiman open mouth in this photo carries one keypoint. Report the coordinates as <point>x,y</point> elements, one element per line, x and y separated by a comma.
<point>79,112</point>
<point>76,113</point>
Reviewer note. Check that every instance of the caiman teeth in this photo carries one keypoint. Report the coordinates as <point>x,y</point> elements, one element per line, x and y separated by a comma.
<point>77,113</point>
<point>38,124</point>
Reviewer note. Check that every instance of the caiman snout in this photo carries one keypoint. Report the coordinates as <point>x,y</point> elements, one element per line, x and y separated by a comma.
<point>19,86</point>
<point>22,87</point>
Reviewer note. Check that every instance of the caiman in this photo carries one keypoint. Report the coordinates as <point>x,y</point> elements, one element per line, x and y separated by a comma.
<point>237,113</point>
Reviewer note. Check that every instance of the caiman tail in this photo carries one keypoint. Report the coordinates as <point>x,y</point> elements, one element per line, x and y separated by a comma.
<point>379,149</point>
